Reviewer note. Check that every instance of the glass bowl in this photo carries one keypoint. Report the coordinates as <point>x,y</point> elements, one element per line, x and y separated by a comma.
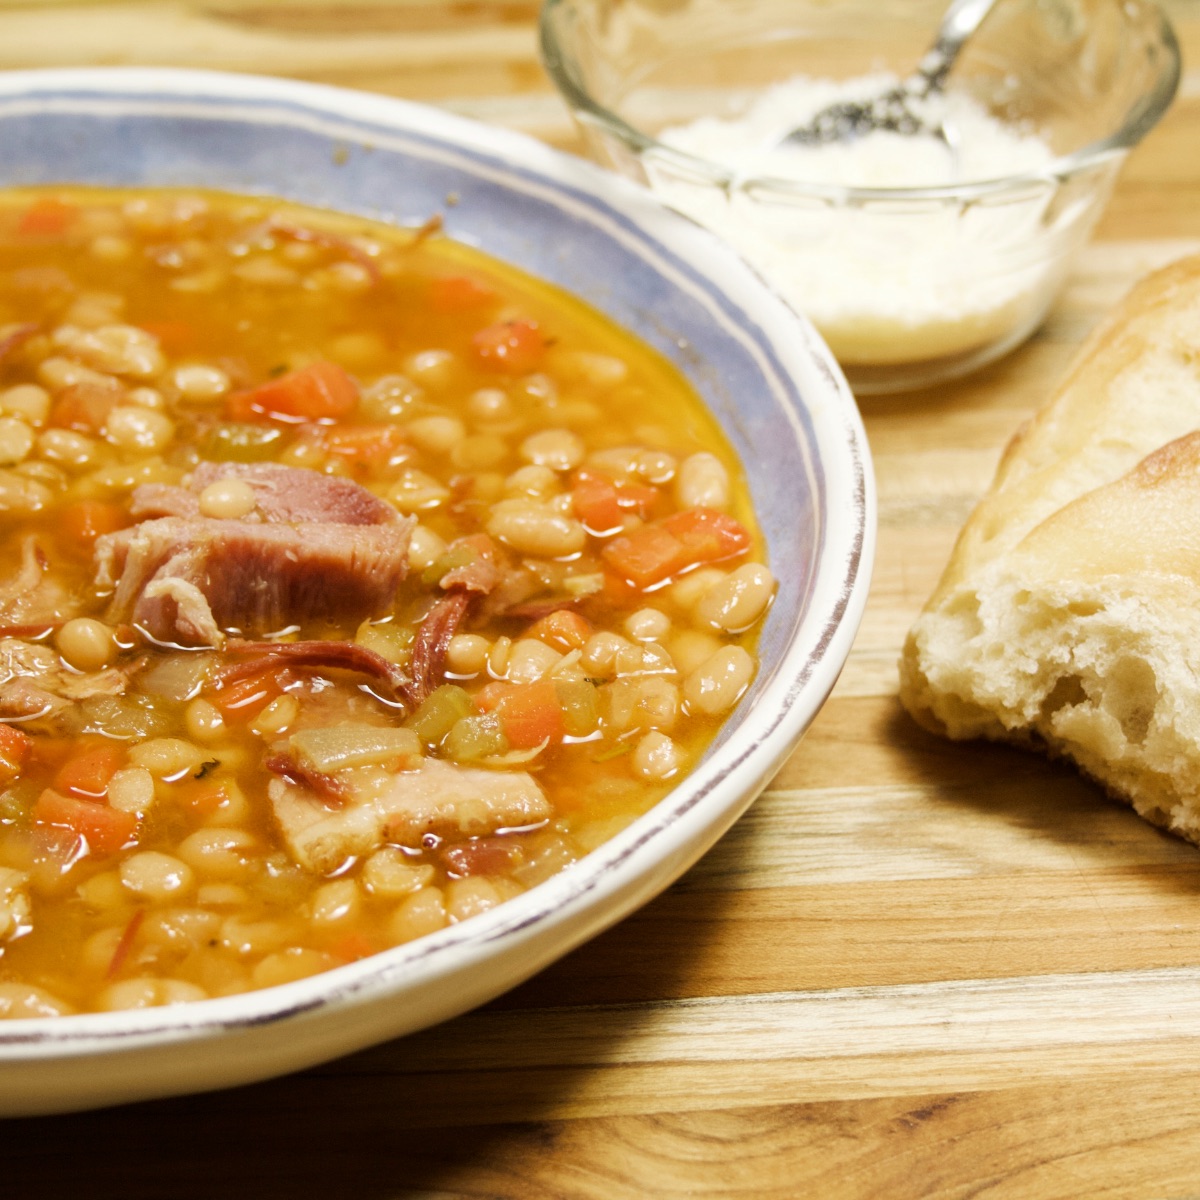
<point>909,285</point>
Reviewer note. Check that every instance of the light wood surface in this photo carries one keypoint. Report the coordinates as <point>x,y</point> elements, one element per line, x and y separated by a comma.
<point>914,969</point>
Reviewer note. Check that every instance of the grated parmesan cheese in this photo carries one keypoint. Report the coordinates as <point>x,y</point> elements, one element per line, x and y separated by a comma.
<point>886,281</point>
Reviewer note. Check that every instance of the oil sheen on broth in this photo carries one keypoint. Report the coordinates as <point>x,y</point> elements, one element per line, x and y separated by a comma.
<point>354,584</point>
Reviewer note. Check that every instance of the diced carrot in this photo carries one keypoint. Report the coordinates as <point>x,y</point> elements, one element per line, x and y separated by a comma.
<point>15,746</point>
<point>490,695</point>
<point>639,497</point>
<point>321,391</point>
<point>618,592</point>
<point>653,553</point>
<point>564,630</point>
<point>105,829</point>
<point>459,293</point>
<point>371,446</point>
<point>515,347</point>
<point>530,714</point>
<point>47,216</point>
<point>599,501</point>
<point>201,797</point>
<point>245,698</point>
<point>646,556</point>
<point>595,502</point>
<point>172,336</point>
<point>353,946</point>
<point>709,535</point>
<point>85,520</point>
<point>87,772</point>
<point>83,407</point>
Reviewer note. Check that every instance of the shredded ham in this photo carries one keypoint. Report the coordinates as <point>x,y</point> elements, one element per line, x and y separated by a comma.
<point>32,597</point>
<point>330,790</point>
<point>34,683</point>
<point>15,338</point>
<point>332,655</point>
<point>535,610</point>
<point>329,241</point>
<point>439,625</point>
<point>481,574</point>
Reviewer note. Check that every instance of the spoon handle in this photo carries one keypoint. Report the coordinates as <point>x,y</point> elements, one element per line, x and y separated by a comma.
<point>959,22</point>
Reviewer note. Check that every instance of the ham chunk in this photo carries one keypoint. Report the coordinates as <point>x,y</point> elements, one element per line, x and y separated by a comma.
<point>187,580</point>
<point>438,798</point>
<point>315,548</point>
<point>36,687</point>
<point>286,494</point>
<point>29,593</point>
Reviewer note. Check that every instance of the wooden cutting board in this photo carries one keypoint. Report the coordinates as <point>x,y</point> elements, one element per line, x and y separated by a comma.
<point>914,969</point>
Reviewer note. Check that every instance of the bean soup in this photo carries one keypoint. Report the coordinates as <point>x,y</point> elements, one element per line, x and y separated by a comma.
<point>353,584</point>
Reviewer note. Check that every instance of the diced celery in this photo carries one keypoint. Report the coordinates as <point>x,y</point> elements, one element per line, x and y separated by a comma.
<point>440,711</point>
<point>580,706</point>
<point>475,738</point>
<point>238,442</point>
<point>391,641</point>
<point>460,556</point>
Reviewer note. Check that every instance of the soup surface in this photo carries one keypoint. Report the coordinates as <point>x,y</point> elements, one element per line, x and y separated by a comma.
<point>352,584</point>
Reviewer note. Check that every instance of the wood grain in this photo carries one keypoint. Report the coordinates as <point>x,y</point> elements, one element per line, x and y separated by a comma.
<point>914,969</point>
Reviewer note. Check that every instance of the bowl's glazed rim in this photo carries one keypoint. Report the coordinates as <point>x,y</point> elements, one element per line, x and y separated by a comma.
<point>1141,118</point>
<point>702,807</point>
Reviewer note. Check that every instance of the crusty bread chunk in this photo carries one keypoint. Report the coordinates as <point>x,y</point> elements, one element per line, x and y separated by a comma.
<point>1068,616</point>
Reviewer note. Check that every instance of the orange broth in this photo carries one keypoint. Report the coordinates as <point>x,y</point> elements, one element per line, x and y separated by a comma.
<point>582,585</point>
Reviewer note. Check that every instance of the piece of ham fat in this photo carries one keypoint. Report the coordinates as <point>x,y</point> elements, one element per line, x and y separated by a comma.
<point>314,547</point>
<point>437,797</point>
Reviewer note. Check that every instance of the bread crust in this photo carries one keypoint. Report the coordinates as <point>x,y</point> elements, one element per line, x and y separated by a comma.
<point>1068,616</point>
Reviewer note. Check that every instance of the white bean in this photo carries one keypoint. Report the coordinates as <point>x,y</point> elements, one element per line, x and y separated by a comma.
<point>15,906</point>
<point>27,401</point>
<point>656,757</point>
<point>133,427</point>
<point>167,756</point>
<point>87,644</point>
<point>421,913</point>
<point>156,876</point>
<point>148,993</point>
<point>734,603</point>
<point>26,1000</point>
<point>67,448</point>
<point>119,350</point>
<point>530,659</point>
<point>702,481</point>
<point>648,625</point>
<point>558,449</point>
<point>219,852</point>
<point>16,440</point>
<point>389,873</point>
<point>131,789</point>
<point>715,686</point>
<point>536,529</point>
<point>467,653</point>
<point>336,903</point>
<point>228,499</point>
<point>436,434</point>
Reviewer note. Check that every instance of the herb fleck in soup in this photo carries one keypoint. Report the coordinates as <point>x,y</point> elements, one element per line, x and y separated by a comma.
<point>355,584</point>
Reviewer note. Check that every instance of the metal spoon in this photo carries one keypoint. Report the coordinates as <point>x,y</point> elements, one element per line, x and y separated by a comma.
<point>891,110</point>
